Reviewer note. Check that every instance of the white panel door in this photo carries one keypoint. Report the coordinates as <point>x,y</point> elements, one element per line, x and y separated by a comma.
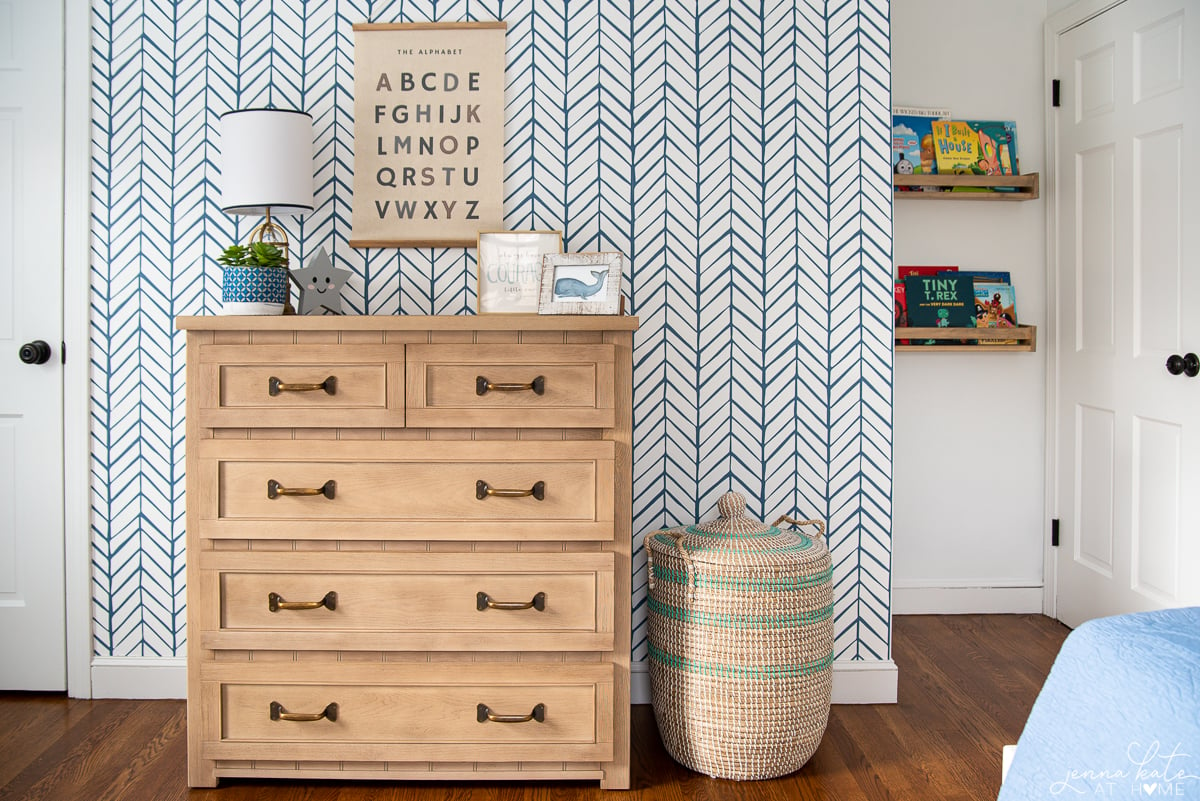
<point>32,613</point>
<point>1128,299</point>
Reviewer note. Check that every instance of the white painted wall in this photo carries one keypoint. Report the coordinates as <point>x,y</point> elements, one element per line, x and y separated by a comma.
<point>969,487</point>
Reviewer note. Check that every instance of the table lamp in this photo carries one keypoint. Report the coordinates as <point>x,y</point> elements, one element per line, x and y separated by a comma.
<point>266,166</point>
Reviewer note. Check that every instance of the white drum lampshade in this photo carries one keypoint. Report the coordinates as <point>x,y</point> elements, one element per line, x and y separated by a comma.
<point>266,162</point>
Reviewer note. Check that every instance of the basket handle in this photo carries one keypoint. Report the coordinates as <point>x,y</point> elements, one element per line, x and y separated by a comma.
<point>649,565</point>
<point>688,567</point>
<point>819,524</point>
<point>690,577</point>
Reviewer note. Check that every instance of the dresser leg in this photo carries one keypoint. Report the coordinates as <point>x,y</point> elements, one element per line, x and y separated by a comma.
<point>616,776</point>
<point>202,773</point>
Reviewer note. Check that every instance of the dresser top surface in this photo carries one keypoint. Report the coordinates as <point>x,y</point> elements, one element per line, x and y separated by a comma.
<point>406,322</point>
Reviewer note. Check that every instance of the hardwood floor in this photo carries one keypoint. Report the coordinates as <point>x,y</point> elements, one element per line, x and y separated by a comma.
<point>966,686</point>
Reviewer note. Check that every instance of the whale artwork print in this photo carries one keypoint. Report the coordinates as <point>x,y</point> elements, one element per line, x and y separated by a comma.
<point>582,283</point>
<point>574,288</point>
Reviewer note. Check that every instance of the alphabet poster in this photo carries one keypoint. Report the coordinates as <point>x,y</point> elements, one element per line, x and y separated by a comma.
<point>428,133</point>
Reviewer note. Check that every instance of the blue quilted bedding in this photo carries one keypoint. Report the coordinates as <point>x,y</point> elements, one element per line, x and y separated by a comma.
<point>1119,715</point>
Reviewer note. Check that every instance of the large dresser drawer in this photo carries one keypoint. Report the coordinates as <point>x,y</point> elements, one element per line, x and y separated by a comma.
<point>412,490</point>
<point>510,386</point>
<point>448,712</point>
<point>407,601</point>
<point>301,386</point>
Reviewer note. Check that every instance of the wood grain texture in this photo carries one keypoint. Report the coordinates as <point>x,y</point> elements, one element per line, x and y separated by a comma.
<point>967,684</point>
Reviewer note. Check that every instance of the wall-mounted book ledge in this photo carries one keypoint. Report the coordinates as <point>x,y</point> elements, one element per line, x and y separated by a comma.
<point>1022,338</point>
<point>1013,187</point>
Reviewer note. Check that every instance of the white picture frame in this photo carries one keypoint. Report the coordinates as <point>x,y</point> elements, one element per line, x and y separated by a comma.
<point>582,283</point>
<point>509,269</point>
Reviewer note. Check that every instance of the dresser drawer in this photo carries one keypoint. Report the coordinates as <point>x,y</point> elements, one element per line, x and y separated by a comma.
<point>417,490</point>
<point>510,386</point>
<point>448,712</point>
<point>404,601</point>
<point>302,386</point>
<point>430,490</point>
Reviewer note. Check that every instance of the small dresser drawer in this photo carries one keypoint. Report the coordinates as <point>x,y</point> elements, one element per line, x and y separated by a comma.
<point>510,386</point>
<point>423,490</point>
<point>406,601</point>
<point>302,386</point>
<point>449,712</point>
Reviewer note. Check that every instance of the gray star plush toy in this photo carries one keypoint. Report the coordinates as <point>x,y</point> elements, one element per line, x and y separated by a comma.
<point>320,285</point>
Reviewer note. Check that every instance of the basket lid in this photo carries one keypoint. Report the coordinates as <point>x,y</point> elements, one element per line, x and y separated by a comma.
<point>735,541</point>
<point>734,531</point>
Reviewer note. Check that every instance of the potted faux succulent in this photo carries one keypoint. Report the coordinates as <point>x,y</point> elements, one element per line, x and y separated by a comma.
<point>255,279</point>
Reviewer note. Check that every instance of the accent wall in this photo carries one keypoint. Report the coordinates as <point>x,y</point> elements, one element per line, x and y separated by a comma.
<point>737,153</point>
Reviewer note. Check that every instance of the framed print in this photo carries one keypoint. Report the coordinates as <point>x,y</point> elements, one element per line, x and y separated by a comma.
<point>428,133</point>
<point>581,283</point>
<point>510,269</point>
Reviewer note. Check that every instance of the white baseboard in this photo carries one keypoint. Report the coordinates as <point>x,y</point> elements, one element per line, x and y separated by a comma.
<point>854,682</point>
<point>139,677</point>
<point>925,598</point>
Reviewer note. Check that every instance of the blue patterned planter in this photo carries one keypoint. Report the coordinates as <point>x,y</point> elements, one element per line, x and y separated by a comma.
<point>254,290</point>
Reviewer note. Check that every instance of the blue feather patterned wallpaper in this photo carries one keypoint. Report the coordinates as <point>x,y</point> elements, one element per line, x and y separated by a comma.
<point>738,153</point>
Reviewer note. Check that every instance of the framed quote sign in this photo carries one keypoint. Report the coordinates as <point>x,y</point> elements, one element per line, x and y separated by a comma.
<point>510,269</point>
<point>428,133</point>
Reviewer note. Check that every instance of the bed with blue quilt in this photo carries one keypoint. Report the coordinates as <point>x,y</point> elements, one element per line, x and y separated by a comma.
<point>1118,716</point>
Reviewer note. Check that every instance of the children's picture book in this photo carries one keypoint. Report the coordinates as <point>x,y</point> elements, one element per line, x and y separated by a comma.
<point>901,309</point>
<point>995,307</point>
<point>956,148</point>
<point>993,276</point>
<point>913,125</point>
<point>906,151</point>
<point>905,270</point>
<point>940,301</point>
<point>997,146</point>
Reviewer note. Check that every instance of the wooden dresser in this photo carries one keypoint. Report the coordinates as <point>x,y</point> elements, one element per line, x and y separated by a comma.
<point>408,547</point>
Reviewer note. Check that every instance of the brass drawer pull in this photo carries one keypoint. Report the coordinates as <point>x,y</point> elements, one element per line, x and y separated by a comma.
<point>275,386</point>
<point>482,490</point>
<point>483,714</point>
<point>483,601</point>
<point>483,386</point>
<point>275,602</point>
<point>279,713</point>
<point>275,489</point>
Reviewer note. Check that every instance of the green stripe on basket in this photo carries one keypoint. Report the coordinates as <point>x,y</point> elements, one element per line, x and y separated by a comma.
<point>805,543</point>
<point>736,584</point>
<point>718,670</point>
<point>734,535</point>
<point>732,621</point>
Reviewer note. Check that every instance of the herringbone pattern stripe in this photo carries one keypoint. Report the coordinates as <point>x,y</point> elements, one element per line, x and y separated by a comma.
<point>737,153</point>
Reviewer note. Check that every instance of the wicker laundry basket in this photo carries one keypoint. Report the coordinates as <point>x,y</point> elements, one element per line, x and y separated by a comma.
<point>741,643</point>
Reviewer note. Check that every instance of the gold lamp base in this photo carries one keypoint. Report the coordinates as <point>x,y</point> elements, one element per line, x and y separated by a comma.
<point>271,232</point>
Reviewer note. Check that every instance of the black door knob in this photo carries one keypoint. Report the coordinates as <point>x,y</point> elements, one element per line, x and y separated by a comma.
<point>1188,364</point>
<point>35,352</point>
